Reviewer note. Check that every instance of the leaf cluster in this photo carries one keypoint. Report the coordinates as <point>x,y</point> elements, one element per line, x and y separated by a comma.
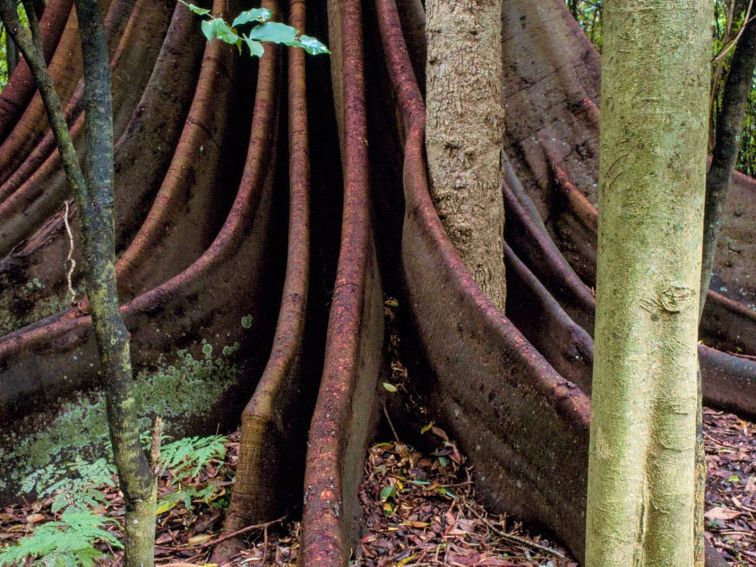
<point>259,28</point>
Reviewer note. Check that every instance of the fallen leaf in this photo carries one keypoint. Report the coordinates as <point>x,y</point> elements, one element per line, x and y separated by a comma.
<point>199,539</point>
<point>720,513</point>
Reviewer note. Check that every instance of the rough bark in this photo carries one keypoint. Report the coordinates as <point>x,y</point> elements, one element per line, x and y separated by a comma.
<point>536,362</point>
<point>725,153</point>
<point>652,182</point>
<point>465,131</point>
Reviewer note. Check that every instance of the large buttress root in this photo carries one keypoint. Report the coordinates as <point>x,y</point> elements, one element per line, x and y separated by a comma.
<point>273,423</point>
<point>21,85</point>
<point>344,412</point>
<point>201,233</point>
<point>516,417</point>
<point>469,343</point>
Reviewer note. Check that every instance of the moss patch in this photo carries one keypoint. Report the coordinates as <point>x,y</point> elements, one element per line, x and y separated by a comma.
<point>23,304</point>
<point>190,387</point>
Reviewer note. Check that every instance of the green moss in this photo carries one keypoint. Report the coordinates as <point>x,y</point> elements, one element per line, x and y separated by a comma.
<point>176,392</point>
<point>23,304</point>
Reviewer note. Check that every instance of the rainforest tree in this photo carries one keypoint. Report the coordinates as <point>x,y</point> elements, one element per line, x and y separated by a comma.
<point>654,92</point>
<point>92,186</point>
<point>243,281</point>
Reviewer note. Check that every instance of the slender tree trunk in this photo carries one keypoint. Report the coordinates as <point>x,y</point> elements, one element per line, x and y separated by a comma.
<point>92,187</point>
<point>464,133</point>
<point>726,144</point>
<point>652,181</point>
<point>98,231</point>
<point>11,54</point>
<point>724,158</point>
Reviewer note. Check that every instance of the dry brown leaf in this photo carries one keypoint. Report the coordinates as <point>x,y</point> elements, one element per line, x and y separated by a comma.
<point>721,513</point>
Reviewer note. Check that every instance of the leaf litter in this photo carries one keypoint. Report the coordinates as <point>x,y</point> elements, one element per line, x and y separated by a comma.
<point>417,508</point>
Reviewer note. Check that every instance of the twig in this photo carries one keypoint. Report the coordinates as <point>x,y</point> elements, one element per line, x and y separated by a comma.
<point>516,539</point>
<point>746,21</point>
<point>232,535</point>
<point>391,425</point>
<point>157,434</point>
<point>69,259</point>
<point>265,546</point>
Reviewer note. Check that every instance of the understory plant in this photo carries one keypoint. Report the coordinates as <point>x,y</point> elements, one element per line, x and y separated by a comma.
<point>79,503</point>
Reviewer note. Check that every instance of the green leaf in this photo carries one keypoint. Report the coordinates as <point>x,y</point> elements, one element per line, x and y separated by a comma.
<point>217,28</point>
<point>274,32</point>
<point>196,9</point>
<point>389,387</point>
<point>69,541</point>
<point>166,503</point>
<point>260,15</point>
<point>247,319</point>
<point>443,491</point>
<point>312,46</point>
<point>388,492</point>
<point>733,478</point>
<point>426,428</point>
<point>255,50</point>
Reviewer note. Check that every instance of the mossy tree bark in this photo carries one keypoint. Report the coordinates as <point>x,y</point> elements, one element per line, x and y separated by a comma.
<point>92,187</point>
<point>465,122</point>
<point>654,97</point>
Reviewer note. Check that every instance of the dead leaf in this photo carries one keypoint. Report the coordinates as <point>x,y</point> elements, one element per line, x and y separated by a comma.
<point>720,513</point>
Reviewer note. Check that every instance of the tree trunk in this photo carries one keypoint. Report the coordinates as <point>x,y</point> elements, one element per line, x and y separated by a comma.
<point>185,178</point>
<point>465,121</point>
<point>95,207</point>
<point>725,155</point>
<point>93,190</point>
<point>11,55</point>
<point>652,178</point>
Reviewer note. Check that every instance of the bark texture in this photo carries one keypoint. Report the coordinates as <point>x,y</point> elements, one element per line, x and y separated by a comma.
<point>652,183</point>
<point>465,122</point>
<point>202,210</point>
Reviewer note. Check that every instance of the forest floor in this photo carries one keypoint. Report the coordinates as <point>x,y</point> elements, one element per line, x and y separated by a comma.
<point>418,508</point>
<point>422,509</point>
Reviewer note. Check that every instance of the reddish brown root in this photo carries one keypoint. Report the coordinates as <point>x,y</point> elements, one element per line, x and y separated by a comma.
<point>272,427</point>
<point>21,85</point>
<point>65,69</point>
<point>345,412</point>
<point>32,200</point>
<point>201,227</point>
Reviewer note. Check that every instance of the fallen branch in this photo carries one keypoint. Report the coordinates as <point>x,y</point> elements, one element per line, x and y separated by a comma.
<point>236,533</point>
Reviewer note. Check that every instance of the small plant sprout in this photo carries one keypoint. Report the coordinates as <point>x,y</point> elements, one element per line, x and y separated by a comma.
<point>259,30</point>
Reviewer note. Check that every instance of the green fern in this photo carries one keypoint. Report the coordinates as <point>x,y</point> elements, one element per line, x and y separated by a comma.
<point>187,457</point>
<point>69,542</point>
<point>78,494</point>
